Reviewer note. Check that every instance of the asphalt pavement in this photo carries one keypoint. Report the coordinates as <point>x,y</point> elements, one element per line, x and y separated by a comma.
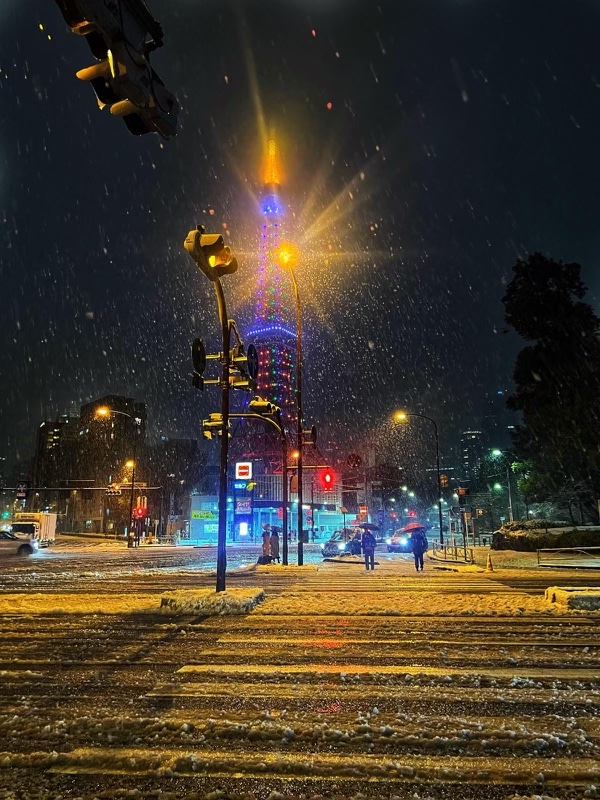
<point>317,693</point>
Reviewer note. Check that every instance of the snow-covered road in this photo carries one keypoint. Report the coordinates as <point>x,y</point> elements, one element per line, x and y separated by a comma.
<point>316,693</point>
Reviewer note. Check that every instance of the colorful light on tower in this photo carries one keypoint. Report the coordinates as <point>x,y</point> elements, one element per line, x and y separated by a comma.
<point>273,332</point>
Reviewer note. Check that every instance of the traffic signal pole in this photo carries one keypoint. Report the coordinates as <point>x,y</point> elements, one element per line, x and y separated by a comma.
<point>222,534</point>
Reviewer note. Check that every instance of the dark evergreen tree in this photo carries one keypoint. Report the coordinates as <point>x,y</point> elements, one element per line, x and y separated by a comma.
<point>557,378</point>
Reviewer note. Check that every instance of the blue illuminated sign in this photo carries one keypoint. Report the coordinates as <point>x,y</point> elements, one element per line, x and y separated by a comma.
<point>240,485</point>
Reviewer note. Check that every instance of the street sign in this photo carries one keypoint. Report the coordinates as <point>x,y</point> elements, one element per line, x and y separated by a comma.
<point>252,357</point>
<point>243,470</point>
<point>22,489</point>
<point>243,505</point>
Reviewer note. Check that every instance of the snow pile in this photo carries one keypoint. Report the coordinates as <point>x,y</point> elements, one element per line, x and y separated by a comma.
<point>207,602</point>
<point>583,598</point>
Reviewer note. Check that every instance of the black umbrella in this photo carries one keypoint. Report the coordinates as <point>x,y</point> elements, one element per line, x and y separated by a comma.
<point>368,526</point>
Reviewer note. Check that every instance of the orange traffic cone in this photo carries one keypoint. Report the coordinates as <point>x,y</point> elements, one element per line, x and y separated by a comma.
<point>489,567</point>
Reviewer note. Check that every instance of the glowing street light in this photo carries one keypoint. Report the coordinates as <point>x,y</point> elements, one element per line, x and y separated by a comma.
<point>403,416</point>
<point>497,453</point>
<point>104,412</point>
<point>287,255</point>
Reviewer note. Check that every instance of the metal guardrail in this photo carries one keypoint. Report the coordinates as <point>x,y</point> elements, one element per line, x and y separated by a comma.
<point>453,552</point>
<point>576,557</point>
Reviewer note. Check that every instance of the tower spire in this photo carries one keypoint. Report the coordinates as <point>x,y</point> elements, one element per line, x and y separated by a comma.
<point>272,176</point>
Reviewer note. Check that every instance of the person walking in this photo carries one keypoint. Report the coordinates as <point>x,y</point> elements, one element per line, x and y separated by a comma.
<point>368,546</point>
<point>418,545</point>
<point>274,544</point>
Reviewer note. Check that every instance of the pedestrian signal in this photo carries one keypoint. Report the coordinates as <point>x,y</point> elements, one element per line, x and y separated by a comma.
<point>327,480</point>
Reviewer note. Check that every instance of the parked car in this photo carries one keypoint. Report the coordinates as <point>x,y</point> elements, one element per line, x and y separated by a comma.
<point>399,542</point>
<point>13,545</point>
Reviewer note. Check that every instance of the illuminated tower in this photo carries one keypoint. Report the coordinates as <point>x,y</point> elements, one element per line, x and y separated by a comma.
<point>274,332</point>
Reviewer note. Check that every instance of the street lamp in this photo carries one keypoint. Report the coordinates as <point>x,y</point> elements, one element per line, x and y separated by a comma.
<point>287,256</point>
<point>504,454</point>
<point>402,416</point>
<point>104,412</point>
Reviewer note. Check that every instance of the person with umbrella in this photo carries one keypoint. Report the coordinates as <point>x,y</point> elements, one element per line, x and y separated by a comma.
<point>274,544</point>
<point>369,544</point>
<point>418,543</point>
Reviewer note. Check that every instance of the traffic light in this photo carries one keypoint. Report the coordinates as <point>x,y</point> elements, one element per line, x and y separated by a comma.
<point>462,495</point>
<point>121,36</point>
<point>212,425</point>
<point>199,363</point>
<point>412,513</point>
<point>327,480</point>
<point>444,480</point>
<point>139,512</point>
<point>210,253</point>
<point>260,406</point>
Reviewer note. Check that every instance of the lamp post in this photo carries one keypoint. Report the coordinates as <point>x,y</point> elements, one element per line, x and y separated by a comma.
<point>402,416</point>
<point>497,452</point>
<point>288,257</point>
<point>104,412</point>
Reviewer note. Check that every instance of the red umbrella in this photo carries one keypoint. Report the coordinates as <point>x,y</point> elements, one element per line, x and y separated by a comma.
<point>413,526</point>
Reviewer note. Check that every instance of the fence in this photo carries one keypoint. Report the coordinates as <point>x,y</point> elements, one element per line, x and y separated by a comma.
<point>574,557</point>
<point>453,552</point>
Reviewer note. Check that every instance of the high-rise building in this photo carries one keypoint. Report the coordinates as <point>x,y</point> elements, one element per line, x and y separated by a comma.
<point>473,448</point>
<point>498,421</point>
<point>56,451</point>
<point>273,331</point>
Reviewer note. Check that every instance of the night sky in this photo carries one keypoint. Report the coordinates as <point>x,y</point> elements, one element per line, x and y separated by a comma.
<point>427,144</point>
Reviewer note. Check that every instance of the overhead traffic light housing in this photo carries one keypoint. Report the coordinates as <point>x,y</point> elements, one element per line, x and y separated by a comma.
<point>210,253</point>
<point>121,36</point>
<point>263,407</point>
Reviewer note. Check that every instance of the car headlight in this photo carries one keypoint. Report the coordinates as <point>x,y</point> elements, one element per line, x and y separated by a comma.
<point>388,541</point>
<point>341,546</point>
<point>404,540</point>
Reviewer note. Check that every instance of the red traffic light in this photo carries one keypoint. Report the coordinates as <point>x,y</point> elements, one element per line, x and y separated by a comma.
<point>139,512</point>
<point>412,513</point>
<point>327,480</point>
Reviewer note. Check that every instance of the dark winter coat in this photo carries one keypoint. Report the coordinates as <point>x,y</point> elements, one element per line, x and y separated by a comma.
<point>274,545</point>
<point>418,542</point>
<point>368,542</point>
